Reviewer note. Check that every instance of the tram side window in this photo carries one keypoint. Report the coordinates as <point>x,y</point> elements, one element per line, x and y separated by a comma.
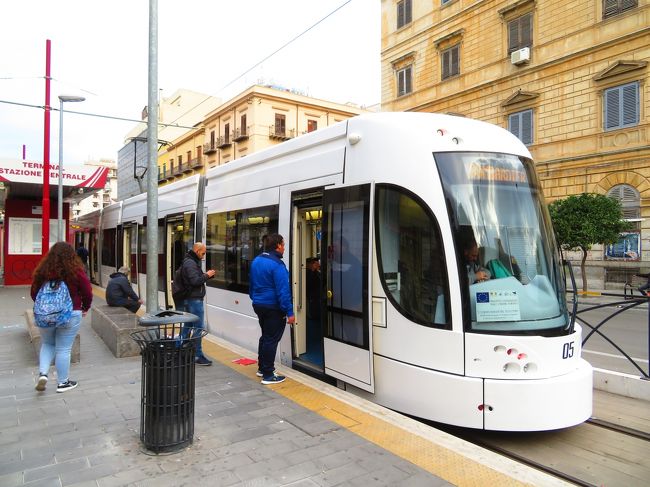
<point>108,247</point>
<point>233,240</point>
<point>411,257</point>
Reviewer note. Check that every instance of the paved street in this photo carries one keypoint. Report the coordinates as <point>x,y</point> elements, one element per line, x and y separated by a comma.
<point>245,433</point>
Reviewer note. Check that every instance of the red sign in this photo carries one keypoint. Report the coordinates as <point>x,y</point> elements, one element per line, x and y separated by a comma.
<point>17,171</point>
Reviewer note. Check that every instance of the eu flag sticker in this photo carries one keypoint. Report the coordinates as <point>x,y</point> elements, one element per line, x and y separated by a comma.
<point>482,297</point>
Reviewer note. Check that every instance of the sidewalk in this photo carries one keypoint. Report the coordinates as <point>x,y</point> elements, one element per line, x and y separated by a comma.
<point>245,433</point>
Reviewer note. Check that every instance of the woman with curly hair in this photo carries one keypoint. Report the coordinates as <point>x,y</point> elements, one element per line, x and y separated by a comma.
<point>61,264</point>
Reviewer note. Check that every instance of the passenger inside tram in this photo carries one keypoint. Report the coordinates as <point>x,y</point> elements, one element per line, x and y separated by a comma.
<point>475,271</point>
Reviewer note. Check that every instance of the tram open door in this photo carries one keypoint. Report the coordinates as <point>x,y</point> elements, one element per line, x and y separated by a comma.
<point>179,238</point>
<point>130,253</point>
<point>346,284</point>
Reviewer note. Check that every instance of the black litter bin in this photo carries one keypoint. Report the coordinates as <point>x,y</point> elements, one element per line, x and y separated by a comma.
<point>168,347</point>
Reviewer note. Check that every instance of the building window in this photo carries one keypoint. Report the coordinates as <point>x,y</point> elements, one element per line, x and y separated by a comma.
<point>189,155</point>
<point>615,7</point>
<point>629,199</point>
<point>521,124</point>
<point>520,32</point>
<point>212,139</point>
<point>451,62</point>
<point>226,133</point>
<point>312,125</point>
<point>404,83</point>
<point>403,13</point>
<point>180,161</point>
<point>280,124</point>
<point>242,125</point>
<point>621,106</point>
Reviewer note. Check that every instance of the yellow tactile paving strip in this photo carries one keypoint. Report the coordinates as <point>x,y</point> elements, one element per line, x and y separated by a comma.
<point>438,460</point>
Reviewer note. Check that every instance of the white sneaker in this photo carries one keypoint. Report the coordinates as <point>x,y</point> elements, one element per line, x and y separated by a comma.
<point>41,383</point>
<point>67,386</point>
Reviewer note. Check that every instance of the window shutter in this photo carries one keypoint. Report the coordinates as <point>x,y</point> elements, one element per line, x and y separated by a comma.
<point>526,31</point>
<point>513,35</point>
<point>612,109</point>
<point>513,124</point>
<point>628,4</point>
<point>527,127</point>
<point>407,84</point>
<point>630,94</point>
<point>407,12</point>
<point>629,199</point>
<point>445,64</point>
<point>400,14</point>
<point>610,7</point>
<point>455,51</point>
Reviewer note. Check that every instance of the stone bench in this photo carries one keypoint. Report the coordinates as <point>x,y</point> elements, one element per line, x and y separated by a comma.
<point>114,326</point>
<point>35,338</point>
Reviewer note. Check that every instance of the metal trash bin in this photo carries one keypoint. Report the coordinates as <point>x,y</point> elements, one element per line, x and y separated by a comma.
<point>168,347</point>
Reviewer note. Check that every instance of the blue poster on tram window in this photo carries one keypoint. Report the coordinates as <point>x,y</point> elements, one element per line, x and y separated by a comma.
<point>628,247</point>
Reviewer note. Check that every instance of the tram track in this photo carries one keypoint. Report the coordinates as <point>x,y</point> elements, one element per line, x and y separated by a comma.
<point>595,453</point>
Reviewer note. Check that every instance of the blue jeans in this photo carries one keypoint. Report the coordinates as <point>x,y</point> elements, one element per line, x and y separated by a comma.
<point>56,345</point>
<point>273,322</point>
<point>194,306</point>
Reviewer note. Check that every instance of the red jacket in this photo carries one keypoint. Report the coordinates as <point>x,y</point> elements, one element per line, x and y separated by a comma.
<point>80,289</point>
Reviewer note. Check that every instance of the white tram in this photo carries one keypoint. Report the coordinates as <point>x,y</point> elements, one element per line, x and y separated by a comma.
<point>388,202</point>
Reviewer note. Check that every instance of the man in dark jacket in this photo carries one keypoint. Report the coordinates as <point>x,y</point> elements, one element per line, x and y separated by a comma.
<point>269,290</point>
<point>194,280</point>
<point>120,293</point>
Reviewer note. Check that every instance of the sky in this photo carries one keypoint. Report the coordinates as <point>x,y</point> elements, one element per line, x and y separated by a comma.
<point>99,50</point>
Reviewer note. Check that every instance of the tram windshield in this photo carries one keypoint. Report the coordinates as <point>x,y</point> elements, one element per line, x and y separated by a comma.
<point>504,242</point>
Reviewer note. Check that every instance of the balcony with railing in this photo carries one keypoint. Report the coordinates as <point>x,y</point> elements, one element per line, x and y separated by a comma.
<point>240,134</point>
<point>163,174</point>
<point>223,141</point>
<point>196,163</point>
<point>209,147</point>
<point>176,169</point>
<point>281,133</point>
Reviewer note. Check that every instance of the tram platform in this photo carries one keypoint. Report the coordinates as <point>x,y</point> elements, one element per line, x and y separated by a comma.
<point>301,432</point>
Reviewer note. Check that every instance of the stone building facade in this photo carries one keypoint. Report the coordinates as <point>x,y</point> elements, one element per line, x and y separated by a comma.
<point>569,79</point>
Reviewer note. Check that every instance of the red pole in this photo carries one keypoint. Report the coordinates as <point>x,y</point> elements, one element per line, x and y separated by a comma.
<point>46,155</point>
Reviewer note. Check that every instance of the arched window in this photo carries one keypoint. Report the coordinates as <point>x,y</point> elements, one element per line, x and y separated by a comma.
<point>630,202</point>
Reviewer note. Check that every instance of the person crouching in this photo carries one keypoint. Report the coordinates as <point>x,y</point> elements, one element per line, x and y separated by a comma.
<point>120,293</point>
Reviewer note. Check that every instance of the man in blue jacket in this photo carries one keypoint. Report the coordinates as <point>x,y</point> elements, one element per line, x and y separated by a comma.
<point>269,290</point>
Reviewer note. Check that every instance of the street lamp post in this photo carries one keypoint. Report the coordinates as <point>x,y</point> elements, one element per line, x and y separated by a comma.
<point>62,100</point>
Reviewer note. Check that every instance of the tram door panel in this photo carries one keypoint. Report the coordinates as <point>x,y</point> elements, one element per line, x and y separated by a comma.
<point>92,256</point>
<point>129,253</point>
<point>306,282</point>
<point>346,273</point>
<point>179,238</point>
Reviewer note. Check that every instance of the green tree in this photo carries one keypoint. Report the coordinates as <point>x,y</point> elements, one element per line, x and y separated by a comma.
<point>583,220</point>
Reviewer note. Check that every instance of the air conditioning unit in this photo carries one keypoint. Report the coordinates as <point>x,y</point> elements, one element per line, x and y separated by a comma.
<point>520,56</point>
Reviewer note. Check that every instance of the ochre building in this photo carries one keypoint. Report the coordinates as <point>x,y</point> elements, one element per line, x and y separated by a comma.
<point>259,117</point>
<point>570,79</point>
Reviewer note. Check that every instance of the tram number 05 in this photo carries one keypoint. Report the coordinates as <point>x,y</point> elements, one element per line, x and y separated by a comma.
<point>567,350</point>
